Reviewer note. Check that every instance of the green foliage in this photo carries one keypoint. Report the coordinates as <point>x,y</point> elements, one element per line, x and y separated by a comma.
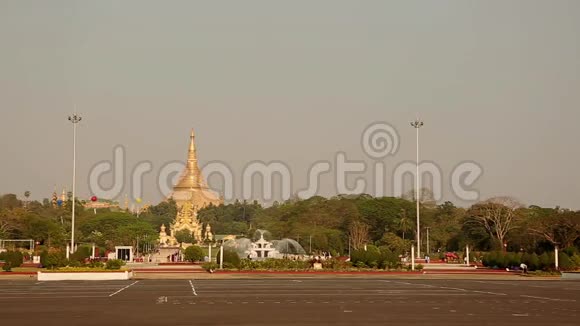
<point>502,260</point>
<point>53,259</point>
<point>96,264</point>
<point>82,254</point>
<point>513,260</point>
<point>318,223</point>
<point>12,258</point>
<point>395,243</point>
<point>210,266</point>
<point>565,263</point>
<point>231,259</point>
<point>375,257</point>
<point>532,261</point>
<point>117,228</point>
<point>114,264</point>
<point>389,259</point>
<point>336,264</point>
<point>194,253</point>
<point>7,267</point>
<point>547,262</point>
<point>419,267</point>
<point>184,236</point>
<point>274,264</point>
<point>576,260</point>
<point>370,257</point>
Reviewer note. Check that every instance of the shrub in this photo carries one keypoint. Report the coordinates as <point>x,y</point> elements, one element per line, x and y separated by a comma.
<point>231,259</point>
<point>512,259</point>
<point>74,263</point>
<point>15,258</point>
<point>570,251</point>
<point>501,260</point>
<point>565,263</point>
<point>81,255</point>
<point>545,262</point>
<point>194,253</point>
<point>534,262</point>
<point>96,264</point>
<point>7,267</point>
<point>489,259</point>
<point>495,259</point>
<point>389,259</point>
<point>576,260</point>
<point>335,264</point>
<point>210,266</point>
<point>53,259</point>
<point>419,267</point>
<point>114,264</point>
<point>370,257</point>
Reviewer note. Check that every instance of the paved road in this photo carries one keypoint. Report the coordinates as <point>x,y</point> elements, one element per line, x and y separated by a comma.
<point>291,302</point>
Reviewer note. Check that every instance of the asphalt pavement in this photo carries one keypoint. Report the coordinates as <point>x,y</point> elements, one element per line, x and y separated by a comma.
<point>291,302</point>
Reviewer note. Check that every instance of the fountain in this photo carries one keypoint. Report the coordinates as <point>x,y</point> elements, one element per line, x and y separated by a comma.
<point>263,249</point>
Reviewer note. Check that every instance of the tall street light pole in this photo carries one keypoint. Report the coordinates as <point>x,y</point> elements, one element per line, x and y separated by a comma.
<point>75,119</point>
<point>428,248</point>
<point>418,124</point>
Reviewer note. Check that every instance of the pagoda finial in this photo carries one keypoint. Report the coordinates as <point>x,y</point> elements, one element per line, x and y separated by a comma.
<point>192,153</point>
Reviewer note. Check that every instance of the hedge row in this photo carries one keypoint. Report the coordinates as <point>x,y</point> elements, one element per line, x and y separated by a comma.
<point>374,257</point>
<point>545,261</point>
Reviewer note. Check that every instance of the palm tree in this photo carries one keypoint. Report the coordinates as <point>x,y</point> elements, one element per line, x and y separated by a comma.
<point>404,223</point>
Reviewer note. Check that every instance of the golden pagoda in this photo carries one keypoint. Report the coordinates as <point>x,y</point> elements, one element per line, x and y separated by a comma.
<point>192,186</point>
<point>190,194</point>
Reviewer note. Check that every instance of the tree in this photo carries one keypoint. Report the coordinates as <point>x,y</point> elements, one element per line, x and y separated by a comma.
<point>358,234</point>
<point>394,243</point>
<point>559,228</point>
<point>497,215</point>
<point>404,223</point>
<point>7,225</point>
<point>193,254</point>
<point>184,236</point>
<point>426,196</point>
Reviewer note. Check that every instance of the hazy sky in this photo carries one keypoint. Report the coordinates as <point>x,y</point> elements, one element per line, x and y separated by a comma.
<point>496,82</point>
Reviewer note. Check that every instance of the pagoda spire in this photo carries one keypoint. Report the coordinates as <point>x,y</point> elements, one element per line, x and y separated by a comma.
<point>192,155</point>
<point>191,177</point>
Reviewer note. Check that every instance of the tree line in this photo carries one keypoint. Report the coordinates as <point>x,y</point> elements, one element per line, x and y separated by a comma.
<point>336,225</point>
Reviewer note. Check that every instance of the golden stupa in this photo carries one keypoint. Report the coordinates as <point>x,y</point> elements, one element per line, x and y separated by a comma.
<point>192,187</point>
<point>191,194</point>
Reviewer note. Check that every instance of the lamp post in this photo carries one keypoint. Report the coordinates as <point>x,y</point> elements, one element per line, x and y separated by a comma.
<point>428,251</point>
<point>418,124</point>
<point>75,119</point>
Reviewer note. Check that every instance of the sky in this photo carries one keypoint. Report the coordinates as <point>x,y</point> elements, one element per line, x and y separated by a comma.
<point>496,83</point>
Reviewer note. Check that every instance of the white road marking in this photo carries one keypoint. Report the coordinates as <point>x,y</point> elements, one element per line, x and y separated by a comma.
<point>192,288</point>
<point>55,297</point>
<point>450,288</point>
<point>548,299</point>
<point>123,289</point>
<point>520,315</point>
<point>492,293</point>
